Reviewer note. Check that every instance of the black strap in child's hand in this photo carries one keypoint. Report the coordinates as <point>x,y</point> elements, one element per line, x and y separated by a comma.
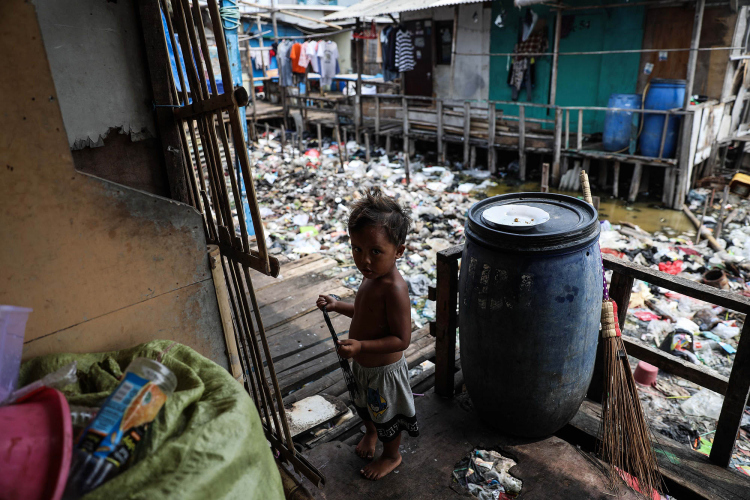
<point>330,327</point>
<point>351,383</point>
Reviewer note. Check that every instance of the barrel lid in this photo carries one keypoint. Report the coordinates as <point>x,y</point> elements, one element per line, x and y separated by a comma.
<point>572,224</point>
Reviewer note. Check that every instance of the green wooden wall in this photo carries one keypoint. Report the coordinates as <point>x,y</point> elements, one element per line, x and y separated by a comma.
<point>583,80</point>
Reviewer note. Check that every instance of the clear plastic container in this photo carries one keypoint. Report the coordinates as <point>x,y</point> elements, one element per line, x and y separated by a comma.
<point>12,328</point>
<point>108,444</point>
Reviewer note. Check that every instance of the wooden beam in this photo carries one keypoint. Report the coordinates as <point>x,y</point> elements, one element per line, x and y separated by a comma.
<point>222,297</point>
<point>491,152</point>
<point>405,107</point>
<point>699,291</point>
<point>467,131</point>
<point>377,120</point>
<point>522,142</point>
<point>616,184</point>
<point>557,147</point>
<point>694,45</point>
<point>579,135</point>
<point>167,125</point>
<point>635,182</point>
<point>735,400</point>
<point>545,178</point>
<point>702,231</point>
<point>555,57</point>
<point>698,374</point>
<point>445,339</point>
<point>440,142</point>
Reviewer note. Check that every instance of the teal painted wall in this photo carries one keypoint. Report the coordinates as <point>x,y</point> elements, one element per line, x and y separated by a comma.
<point>582,80</point>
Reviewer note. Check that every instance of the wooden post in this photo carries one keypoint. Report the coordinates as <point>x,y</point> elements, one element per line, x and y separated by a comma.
<point>283,138</point>
<point>358,95</point>
<point>669,180</point>
<point>579,136</point>
<point>735,400</point>
<point>616,180</point>
<point>491,153</point>
<point>440,143</point>
<point>445,319</point>
<point>338,141</point>
<point>567,129</point>
<point>683,161</point>
<point>320,138</point>
<point>720,225</point>
<point>587,165</point>
<point>467,131</point>
<point>558,145</point>
<point>367,147</point>
<point>473,158</point>
<point>453,50</point>
<point>406,148</point>
<point>167,124</point>
<point>603,173</point>
<point>377,120</point>
<point>556,50</point>
<point>346,141</point>
<point>635,182</point>
<point>545,177</point>
<point>522,142</point>
<point>222,297</point>
<point>694,45</point>
<point>260,44</point>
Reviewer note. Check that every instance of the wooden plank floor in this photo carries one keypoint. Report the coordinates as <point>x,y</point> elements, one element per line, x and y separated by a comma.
<point>301,347</point>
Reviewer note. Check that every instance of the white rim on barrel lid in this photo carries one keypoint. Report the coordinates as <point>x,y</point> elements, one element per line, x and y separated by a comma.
<point>516,216</point>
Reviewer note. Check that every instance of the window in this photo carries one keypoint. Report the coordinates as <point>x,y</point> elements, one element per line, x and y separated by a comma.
<point>444,42</point>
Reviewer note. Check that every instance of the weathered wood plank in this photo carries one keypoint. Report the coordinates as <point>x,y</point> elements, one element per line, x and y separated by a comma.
<point>734,402</point>
<point>698,291</point>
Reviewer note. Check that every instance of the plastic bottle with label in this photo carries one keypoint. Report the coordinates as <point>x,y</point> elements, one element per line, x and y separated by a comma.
<point>107,445</point>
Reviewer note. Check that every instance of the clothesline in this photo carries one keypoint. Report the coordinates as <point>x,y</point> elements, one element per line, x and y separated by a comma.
<point>594,52</point>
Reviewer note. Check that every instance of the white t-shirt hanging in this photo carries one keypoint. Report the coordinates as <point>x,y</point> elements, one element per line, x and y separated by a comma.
<point>328,52</point>
<point>312,54</point>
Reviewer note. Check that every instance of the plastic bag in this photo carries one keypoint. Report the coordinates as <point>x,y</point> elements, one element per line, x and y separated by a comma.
<point>704,403</point>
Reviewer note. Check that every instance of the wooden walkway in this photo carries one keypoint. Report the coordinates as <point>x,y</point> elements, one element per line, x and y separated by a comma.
<point>301,346</point>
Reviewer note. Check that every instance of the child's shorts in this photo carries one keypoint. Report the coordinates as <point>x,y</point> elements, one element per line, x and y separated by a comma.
<point>385,399</point>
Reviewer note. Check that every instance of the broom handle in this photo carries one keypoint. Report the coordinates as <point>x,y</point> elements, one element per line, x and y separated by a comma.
<point>586,187</point>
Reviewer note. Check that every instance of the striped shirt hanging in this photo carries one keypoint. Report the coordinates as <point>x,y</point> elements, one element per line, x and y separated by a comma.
<point>404,51</point>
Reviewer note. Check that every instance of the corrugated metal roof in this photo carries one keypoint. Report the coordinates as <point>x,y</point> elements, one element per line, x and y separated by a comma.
<point>372,8</point>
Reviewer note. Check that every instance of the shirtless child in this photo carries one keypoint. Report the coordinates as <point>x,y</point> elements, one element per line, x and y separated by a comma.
<point>380,330</point>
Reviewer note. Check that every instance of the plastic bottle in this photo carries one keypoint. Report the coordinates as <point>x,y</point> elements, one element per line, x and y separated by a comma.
<point>107,445</point>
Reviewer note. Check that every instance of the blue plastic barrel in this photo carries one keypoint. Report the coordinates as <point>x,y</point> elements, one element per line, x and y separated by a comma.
<point>530,305</point>
<point>620,126</point>
<point>663,94</point>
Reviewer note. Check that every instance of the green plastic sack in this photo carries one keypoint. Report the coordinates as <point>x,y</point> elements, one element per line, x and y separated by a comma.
<point>207,441</point>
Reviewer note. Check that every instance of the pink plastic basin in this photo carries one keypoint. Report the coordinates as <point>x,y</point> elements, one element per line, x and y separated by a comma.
<point>36,443</point>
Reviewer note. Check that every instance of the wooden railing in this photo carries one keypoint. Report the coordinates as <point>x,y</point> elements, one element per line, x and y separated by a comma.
<point>735,389</point>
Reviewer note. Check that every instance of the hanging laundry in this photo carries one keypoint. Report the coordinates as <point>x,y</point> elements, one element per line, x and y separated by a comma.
<point>284,61</point>
<point>522,72</point>
<point>388,49</point>
<point>304,59</point>
<point>328,52</point>
<point>312,54</point>
<point>404,51</point>
<point>294,55</point>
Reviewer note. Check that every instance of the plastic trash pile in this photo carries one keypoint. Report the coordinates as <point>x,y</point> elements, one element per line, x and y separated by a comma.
<point>305,198</point>
<point>694,330</point>
<point>485,474</point>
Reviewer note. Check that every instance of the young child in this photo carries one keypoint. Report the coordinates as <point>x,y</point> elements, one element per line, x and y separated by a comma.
<point>380,330</point>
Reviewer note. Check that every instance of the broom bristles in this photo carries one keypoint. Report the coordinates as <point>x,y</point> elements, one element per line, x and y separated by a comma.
<point>625,436</point>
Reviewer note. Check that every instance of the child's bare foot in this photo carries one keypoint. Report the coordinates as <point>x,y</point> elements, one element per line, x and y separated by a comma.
<point>366,446</point>
<point>382,466</point>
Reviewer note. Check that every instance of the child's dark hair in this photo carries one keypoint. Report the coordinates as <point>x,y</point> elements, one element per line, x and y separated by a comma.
<point>377,209</point>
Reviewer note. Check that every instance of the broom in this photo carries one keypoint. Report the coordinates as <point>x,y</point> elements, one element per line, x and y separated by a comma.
<point>351,382</point>
<point>625,436</point>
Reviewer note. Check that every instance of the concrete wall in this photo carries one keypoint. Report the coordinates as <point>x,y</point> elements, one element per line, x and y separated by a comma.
<point>470,72</point>
<point>96,55</point>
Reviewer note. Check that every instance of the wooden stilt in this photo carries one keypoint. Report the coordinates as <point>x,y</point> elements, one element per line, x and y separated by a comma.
<point>367,147</point>
<point>616,180</point>
<point>467,131</point>
<point>491,152</point>
<point>320,138</point>
<point>603,172</point>
<point>635,182</point>
<point>473,158</point>
<point>440,143</point>
<point>522,143</point>
<point>545,177</point>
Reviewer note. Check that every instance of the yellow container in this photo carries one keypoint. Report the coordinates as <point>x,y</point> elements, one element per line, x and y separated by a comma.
<point>740,185</point>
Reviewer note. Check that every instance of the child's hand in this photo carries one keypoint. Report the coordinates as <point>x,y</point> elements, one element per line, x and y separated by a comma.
<point>349,348</point>
<point>327,302</point>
